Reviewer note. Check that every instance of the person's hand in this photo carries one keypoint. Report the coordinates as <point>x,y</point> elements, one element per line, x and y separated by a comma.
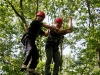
<point>57,29</point>
<point>54,28</point>
<point>69,30</point>
<point>70,22</point>
<point>70,18</point>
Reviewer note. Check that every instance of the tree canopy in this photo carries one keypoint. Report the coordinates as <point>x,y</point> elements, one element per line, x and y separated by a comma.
<point>84,41</point>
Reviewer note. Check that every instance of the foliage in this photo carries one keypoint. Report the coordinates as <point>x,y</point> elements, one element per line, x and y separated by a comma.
<point>83,41</point>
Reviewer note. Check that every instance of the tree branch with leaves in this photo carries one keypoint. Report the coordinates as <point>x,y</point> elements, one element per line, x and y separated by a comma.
<point>21,15</point>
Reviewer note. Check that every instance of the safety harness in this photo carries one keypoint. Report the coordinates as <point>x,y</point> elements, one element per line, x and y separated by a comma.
<point>53,38</point>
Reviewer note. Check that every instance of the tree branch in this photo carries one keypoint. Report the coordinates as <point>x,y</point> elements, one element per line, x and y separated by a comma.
<point>21,7</point>
<point>36,6</point>
<point>23,19</point>
<point>21,16</point>
<point>90,16</point>
<point>14,9</point>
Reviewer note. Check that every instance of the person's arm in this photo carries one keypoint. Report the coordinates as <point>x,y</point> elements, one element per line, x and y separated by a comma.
<point>46,33</point>
<point>64,31</point>
<point>50,27</point>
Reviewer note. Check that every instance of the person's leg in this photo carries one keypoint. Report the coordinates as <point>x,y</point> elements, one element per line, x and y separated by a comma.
<point>28,53</point>
<point>35,57</point>
<point>49,54</point>
<point>57,62</point>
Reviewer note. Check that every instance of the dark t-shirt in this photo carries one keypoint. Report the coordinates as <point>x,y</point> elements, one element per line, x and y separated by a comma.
<point>53,39</point>
<point>35,29</point>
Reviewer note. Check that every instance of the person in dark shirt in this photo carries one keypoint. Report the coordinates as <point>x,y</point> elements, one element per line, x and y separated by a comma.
<point>28,41</point>
<point>52,45</point>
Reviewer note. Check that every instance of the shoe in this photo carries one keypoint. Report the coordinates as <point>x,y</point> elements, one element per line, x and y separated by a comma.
<point>48,74</point>
<point>23,68</point>
<point>32,71</point>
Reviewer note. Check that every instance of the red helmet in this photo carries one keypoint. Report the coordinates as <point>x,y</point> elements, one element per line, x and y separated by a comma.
<point>40,13</point>
<point>58,20</point>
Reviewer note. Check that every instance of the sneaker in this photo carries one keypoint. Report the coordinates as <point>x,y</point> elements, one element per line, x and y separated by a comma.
<point>23,68</point>
<point>32,71</point>
<point>48,74</point>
